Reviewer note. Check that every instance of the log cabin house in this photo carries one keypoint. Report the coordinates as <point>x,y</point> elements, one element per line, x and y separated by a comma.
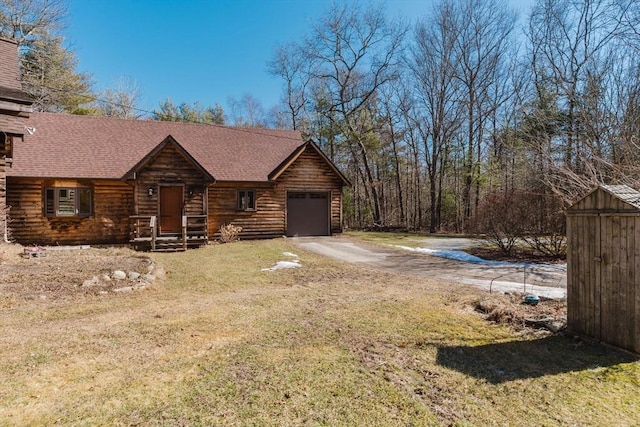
<point>15,107</point>
<point>166,185</point>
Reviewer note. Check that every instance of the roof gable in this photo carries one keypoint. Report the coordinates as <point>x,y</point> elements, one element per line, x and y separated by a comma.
<point>282,167</point>
<point>169,140</point>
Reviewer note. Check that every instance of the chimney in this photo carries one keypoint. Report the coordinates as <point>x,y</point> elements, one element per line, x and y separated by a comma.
<point>15,105</point>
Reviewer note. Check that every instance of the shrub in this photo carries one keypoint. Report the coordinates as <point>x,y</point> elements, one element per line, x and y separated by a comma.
<point>229,233</point>
<point>535,218</point>
<point>546,229</point>
<point>502,217</point>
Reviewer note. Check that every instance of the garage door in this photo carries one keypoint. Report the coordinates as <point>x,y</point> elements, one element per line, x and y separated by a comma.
<point>307,214</point>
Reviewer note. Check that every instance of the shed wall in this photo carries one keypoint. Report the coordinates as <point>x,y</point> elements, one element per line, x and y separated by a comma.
<point>603,270</point>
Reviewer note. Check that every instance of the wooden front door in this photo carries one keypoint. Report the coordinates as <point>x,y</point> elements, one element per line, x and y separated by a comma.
<point>170,209</point>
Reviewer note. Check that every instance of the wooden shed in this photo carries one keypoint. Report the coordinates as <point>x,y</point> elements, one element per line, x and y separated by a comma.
<point>603,266</point>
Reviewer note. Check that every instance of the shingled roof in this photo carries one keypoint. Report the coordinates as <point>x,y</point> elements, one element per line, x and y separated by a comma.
<point>624,193</point>
<point>68,146</point>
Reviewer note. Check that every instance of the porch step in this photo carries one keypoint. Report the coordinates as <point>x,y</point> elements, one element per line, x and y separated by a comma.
<point>169,246</point>
<point>181,249</point>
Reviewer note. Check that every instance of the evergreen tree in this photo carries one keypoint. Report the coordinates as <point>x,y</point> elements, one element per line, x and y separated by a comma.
<point>48,67</point>
<point>196,113</point>
<point>48,72</point>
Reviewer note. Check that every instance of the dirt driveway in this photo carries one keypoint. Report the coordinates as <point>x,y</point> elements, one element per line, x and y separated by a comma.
<point>547,281</point>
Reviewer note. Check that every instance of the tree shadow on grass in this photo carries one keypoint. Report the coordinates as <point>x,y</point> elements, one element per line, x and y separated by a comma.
<point>503,362</point>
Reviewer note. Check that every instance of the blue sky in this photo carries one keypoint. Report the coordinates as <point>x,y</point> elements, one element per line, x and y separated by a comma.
<point>198,50</point>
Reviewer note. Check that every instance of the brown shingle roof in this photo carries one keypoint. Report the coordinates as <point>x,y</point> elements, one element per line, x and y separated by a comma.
<point>68,146</point>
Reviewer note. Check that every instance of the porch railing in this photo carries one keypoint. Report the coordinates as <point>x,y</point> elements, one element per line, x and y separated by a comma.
<point>144,233</point>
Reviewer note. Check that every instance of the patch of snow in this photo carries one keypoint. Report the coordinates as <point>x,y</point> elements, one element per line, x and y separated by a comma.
<point>94,281</point>
<point>290,254</point>
<point>465,257</point>
<point>67,248</point>
<point>503,286</point>
<point>283,264</point>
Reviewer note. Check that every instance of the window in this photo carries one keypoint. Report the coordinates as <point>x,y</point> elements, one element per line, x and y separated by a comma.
<point>246,200</point>
<point>67,201</point>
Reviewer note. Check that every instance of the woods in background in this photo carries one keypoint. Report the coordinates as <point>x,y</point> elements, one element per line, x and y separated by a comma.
<point>441,123</point>
<point>444,123</point>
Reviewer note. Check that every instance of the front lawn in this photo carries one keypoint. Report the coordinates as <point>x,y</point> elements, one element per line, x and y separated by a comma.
<point>218,341</point>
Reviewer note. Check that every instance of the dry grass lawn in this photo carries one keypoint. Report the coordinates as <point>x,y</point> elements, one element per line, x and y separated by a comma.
<point>217,341</point>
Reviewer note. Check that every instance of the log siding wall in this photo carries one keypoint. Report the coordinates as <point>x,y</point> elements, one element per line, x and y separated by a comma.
<point>169,167</point>
<point>266,221</point>
<point>112,203</point>
<point>309,173</point>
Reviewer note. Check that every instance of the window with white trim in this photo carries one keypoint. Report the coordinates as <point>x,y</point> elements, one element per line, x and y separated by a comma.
<point>67,201</point>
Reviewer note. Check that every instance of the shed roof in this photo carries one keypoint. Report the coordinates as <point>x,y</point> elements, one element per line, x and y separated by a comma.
<point>609,198</point>
<point>72,146</point>
<point>624,193</point>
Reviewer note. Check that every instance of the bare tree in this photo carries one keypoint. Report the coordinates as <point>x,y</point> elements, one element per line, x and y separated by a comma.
<point>27,20</point>
<point>482,45</point>
<point>290,64</point>
<point>247,112</point>
<point>121,102</point>
<point>438,107</point>
<point>354,50</point>
<point>576,60</point>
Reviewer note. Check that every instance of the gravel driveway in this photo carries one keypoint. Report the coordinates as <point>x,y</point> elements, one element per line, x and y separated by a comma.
<point>547,281</point>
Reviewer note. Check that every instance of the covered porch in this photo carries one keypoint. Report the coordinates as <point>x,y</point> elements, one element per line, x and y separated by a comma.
<point>170,192</point>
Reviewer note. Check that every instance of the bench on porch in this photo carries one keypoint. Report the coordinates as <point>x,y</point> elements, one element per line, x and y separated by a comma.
<point>144,234</point>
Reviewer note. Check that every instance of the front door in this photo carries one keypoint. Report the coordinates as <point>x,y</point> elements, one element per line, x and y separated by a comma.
<point>170,209</point>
